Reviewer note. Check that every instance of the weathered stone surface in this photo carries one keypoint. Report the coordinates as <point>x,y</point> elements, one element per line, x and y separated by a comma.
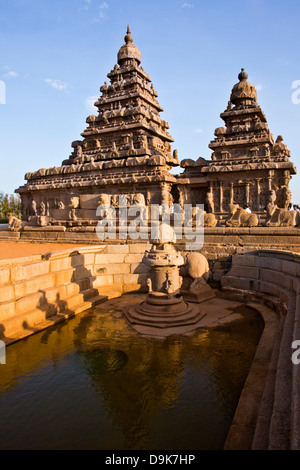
<point>244,260</point>
<point>196,265</point>
<point>22,272</point>
<point>36,284</point>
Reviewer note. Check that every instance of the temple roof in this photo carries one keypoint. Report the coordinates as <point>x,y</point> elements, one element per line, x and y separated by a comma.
<point>243,90</point>
<point>128,50</point>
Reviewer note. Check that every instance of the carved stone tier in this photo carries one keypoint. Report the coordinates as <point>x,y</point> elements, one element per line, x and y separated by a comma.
<point>126,150</point>
<point>246,163</point>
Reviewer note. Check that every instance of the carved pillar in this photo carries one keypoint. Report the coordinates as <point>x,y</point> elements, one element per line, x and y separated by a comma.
<point>221,195</point>
<point>247,192</point>
<point>257,180</point>
<point>270,180</point>
<point>231,193</point>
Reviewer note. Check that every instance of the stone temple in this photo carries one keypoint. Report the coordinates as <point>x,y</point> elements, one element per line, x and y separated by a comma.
<point>247,167</point>
<point>126,151</point>
<point>250,256</point>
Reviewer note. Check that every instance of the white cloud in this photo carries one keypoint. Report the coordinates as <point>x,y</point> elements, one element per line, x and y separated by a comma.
<point>57,84</point>
<point>86,5</point>
<point>101,12</point>
<point>8,72</point>
<point>258,87</point>
<point>89,103</point>
<point>199,131</point>
<point>187,5</point>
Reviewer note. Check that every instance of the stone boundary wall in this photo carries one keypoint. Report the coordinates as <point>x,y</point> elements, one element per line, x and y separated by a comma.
<point>254,237</point>
<point>220,243</point>
<point>268,414</point>
<point>38,291</point>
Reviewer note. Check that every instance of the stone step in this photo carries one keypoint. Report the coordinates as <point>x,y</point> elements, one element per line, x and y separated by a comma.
<point>168,317</point>
<point>111,292</point>
<point>35,320</point>
<point>163,332</point>
<point>164,321</point>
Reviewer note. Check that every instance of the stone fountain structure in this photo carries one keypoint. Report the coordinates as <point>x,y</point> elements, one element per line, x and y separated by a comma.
<point>165,311</point>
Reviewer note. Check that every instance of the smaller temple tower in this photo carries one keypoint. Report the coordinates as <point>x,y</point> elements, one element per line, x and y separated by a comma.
<point>246,165</point>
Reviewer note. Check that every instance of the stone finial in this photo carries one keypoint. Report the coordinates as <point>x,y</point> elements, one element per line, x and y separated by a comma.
<point>128,51</point>
<point>243,91</point>
<point>128,38</point>
<point>242,76</point>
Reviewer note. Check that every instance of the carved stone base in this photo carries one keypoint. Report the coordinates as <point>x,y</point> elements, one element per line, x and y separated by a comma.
<point>202,294</point>
<point>164,315</point>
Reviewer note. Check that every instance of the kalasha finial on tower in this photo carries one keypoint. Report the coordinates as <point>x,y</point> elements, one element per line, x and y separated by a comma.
<point>128,51</point>
<point>128,38</point>
<point>243,76</point>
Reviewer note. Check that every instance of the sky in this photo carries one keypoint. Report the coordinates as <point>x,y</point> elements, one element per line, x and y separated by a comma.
<point>55,55</point>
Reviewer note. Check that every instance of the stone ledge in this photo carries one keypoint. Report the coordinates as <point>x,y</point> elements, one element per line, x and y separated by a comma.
<point>277,288</point>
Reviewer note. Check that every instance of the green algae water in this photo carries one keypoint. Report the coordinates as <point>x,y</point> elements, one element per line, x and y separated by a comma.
<point>93,383</point>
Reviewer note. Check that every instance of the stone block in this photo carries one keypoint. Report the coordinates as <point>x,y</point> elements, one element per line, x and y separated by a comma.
<point>72,289</point>
<point>56,294</point>
<point>7,310</point>
<point>23,272</point>
<point>119,268</point>
<point>296,286</point>
<point>113,268</point>
<point>269,288</point>
<point>71,303</point>
<point>82,259</point>
<point>289,267</point>
<point>139,268</point>
<point>218,274</point>
<point>134,258</point>
<point>6,293</point>
<point>245,271</point>
<point>64,277</point>
<point>81,272</point>
<point>118,279</point>
<point>135,279</point>
<point>240,283</point>
<point>37,300</point>
<point>85,283</point>
<point>268,262</point>
<point>139,248</point>
<point>117,249</point>
<point>60,264</point>
<point>102,281</point>
<point>275,277</point>
<point>109,258</point>
<point>4,275</point>
<point>244,260</point>
<point>36,284</point>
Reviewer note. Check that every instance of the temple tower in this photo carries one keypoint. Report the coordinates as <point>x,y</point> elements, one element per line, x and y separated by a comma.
<point>246,164</point>
<point>125,150</point>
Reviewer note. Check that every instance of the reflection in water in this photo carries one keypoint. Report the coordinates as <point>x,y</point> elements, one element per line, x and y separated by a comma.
<point>93,383</point>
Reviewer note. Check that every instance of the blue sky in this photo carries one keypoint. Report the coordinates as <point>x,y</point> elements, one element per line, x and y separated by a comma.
<point>55,55</point>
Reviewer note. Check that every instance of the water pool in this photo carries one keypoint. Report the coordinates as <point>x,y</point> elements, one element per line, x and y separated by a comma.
<point>93,383</point>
